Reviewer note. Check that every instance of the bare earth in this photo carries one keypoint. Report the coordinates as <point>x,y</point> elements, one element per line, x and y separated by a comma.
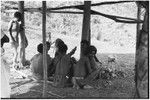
<point>120,87</point>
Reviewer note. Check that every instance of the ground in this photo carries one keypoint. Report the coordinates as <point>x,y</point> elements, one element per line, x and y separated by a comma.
<point>120,87</point>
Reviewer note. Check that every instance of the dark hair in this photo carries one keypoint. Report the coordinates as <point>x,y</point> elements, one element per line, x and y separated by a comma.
<point>48,45</point>
<point>4,40</point>
<point>85,42</point>
<point>18,15</point>
<point>63,48</point>
<point>92,48</point>
<point>59,42</point>
<point>40,48</point>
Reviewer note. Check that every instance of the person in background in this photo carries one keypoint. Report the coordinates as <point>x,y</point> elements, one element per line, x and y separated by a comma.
<point>5,70</point>
<point>16,29</point>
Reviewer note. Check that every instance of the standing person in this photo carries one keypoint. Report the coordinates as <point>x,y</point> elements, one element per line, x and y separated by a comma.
<point>16,36</point>
<point>5,87</point>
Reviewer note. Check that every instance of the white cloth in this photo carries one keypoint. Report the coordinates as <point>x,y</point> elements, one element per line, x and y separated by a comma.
<point>5,87</point>
<point>2,34</point>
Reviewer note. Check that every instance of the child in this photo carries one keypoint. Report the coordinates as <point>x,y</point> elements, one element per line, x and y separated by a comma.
<point>15,30</point>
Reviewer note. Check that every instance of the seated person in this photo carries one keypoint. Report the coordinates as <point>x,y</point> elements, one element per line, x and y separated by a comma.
<point>95,63</point>
<point>58,44</point>
<point>37,63</point>
<point>58,55</point>
<point>5,70</point>
<point>83,68</point>
<point>63,67</point>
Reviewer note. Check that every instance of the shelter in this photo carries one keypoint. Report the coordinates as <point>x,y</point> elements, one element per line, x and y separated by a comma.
<point>141,67</point>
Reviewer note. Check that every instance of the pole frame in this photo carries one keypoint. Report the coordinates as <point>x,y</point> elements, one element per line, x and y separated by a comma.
<point>44,48</point>
<point>22,56</point>
<point>86,23</point>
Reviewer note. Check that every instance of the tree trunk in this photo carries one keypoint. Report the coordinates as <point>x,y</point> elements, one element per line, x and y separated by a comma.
<point>86,22</point>
<point>44,48</point>
<point>141,72</point>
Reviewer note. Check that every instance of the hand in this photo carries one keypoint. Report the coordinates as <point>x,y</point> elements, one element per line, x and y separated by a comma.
<point>73,50</point>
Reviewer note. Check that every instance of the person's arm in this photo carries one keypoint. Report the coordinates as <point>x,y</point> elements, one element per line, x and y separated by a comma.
<point>96,59</point>
<point>88,65</point>
<point>10,30</point>
<point>72,51</point>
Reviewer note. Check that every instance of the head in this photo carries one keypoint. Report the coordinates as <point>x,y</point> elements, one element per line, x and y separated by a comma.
<point>18,16</point>
<point>92,50</point>
<point>58,41</point>
<point>63,48</point>
<point>144,38</point>
<point>58,44</point>
<point>40,48</point>
<point>4,38</point>
<point>84,45</point>
<point>48,45</point>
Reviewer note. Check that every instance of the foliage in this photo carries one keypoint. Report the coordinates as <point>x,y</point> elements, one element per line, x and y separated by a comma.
<point>102,29</point>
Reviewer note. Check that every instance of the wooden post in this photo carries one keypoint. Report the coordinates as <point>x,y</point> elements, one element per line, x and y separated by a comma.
<point>86,22</point>
<point>44,48</point>
<point>141,66</point>
<point>137,43</point>
<point>22,56</point>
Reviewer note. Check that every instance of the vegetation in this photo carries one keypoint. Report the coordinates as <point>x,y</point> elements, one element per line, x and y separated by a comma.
<point>102,29</point>
<point>106,35</point>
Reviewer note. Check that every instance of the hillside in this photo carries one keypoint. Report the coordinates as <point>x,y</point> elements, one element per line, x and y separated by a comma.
<point>106,33</point>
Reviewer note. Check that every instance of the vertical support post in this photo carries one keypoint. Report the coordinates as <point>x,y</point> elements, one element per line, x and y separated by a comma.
<point>86,22</point>
<point>137,44</point>
<point>44,48</point>
<point>141,75</point>
<point>22,55</point>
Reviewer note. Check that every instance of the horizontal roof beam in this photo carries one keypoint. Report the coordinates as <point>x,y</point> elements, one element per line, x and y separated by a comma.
<point>113,17</point>
<point>77,6</point>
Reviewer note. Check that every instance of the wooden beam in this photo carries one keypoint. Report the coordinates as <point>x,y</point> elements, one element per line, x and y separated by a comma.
<point>22,53</point>
<point>111,2</point>
<point>116,18</point>
<point>86,22</point>
<point>142,61</point>
<point>113,17</point>
<point>80,6</point>
<point>68,12</point>
<point>44,48</point>
<point>137,45</point>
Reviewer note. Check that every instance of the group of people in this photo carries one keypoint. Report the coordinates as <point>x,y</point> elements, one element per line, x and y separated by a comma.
<point>65,69</point>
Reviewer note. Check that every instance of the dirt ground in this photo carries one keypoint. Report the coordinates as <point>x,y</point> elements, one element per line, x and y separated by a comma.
<point>120,87</point>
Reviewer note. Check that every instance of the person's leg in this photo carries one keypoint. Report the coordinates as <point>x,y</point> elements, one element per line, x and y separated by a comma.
<point>15,47</point>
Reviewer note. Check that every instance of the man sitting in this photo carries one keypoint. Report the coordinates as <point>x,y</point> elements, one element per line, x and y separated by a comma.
<point>63,67</point>
<point>82,68</point>
<point>37,63</point>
